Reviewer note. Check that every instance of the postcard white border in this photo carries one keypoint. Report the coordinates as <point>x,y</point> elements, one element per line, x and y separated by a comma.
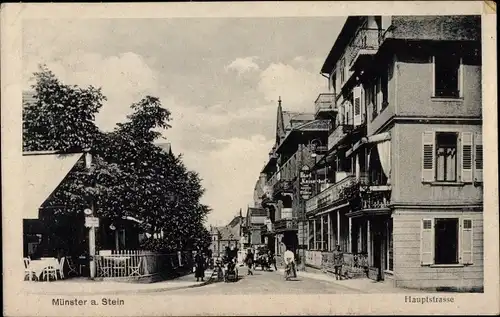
<point>18,303</point>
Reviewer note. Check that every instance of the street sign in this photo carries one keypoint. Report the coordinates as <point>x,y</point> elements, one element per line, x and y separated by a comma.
<point>91,222</point>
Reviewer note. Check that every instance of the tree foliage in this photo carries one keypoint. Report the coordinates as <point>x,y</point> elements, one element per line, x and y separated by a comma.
<point>130,175</point>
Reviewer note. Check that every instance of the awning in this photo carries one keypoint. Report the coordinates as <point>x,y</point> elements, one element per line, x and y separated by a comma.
<point>377,138</point>
<point>42,174</point>
<point>328,210</point>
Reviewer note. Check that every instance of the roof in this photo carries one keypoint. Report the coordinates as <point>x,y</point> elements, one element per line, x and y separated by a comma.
<point>167,147</point>
<point>228,233</point>
<point>313,125</point>
<point>28,97</point>
<point>338,47</point>
<point>291,119</point>
<point>320,125</point>
<point>43,172</point>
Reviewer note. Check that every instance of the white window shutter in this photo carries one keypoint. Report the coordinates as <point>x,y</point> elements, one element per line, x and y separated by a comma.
<point>461,78</point>
<point>466,242</point>
<point>478,157</point>
<point>357,105</point>
<point>427,242</point>
<point>466,157</point>
<point>428,156</point>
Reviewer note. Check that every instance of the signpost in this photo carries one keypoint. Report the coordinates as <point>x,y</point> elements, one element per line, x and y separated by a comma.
<point>91,222</point>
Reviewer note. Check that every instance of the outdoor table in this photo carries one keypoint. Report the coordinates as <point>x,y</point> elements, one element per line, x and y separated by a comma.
<point>37,266</point>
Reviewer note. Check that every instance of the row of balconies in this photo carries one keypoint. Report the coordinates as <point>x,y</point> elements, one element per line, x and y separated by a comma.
<point>352,189</point>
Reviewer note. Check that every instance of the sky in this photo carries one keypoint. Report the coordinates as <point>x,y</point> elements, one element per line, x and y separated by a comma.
<point>219,77</point>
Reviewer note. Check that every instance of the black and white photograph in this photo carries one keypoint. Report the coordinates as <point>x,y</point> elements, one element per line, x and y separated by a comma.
<point>246,164</point>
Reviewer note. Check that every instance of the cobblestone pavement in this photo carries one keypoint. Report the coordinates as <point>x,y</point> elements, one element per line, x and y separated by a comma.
<point>266,283</point>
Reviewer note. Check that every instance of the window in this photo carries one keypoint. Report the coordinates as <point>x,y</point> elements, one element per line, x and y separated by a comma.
<point>372,99</point>
<point>342,72</point>
<point>446,241</point>
<point>446,157</point>
<point>447,76</point>
<point>441,152</point>
<point>384,83</point>
<point>333,82</point>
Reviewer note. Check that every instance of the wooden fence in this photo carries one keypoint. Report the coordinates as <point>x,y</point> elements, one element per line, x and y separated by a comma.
<point>140,263</point>
<point>354,264</point>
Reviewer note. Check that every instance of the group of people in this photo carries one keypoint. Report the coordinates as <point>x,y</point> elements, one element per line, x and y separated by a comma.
<point>265,260</point>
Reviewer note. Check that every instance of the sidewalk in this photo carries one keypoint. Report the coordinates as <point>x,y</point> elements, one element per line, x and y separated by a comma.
<point>85,286</point>
<point>362,285</point>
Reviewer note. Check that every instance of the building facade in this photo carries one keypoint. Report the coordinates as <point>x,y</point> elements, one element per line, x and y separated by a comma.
<point>405,195</point>
<point>297,134</point>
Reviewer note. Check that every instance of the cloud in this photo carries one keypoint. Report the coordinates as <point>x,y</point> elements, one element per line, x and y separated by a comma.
<point>125,79</point>
<point>243,65</point>
<point>229,174</point>
<point>297,86</point>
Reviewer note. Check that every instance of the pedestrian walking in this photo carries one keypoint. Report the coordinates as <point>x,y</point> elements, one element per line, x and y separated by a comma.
<point>289,257</point>
<point>338,259</point>
<point>199,266</point>
<point>249,261</point>
<point>272,261</point>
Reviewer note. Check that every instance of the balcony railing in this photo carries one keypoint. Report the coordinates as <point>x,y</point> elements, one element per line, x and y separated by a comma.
<point>286,172</point>
<point>367,40</point>
<point>338,134</point>
<point>376,199</point>
<point>329,195</point>
<point>286,224</point>
<point>325,102</point>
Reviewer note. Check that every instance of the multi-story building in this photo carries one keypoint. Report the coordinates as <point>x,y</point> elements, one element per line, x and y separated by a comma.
<point>406,195</point>
<point>255,220</point>
<point>296,135</point>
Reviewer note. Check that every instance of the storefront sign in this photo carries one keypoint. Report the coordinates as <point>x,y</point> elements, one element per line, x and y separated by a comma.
<point>305,185</point>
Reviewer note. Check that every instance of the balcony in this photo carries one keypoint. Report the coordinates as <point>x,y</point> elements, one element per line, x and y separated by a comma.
<point>325,105</point>
<point>329,195</point>
<point>375,200</point>
<point>286,224</point>
<point>364,44</point>
<point>338,134</point>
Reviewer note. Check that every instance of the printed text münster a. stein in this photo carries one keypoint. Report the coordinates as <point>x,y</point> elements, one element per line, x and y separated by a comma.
<point>83,302</point>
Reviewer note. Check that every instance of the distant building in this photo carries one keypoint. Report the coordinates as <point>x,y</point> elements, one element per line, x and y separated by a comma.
<point>255,221</point>
<point>227,236</point>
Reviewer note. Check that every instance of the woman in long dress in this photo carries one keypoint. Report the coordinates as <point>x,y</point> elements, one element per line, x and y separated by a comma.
<point>199,272</point>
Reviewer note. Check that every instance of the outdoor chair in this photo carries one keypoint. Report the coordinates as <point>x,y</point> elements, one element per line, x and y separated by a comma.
<point>27,270</point>
<point>60,269</point>
<point>71,266</point>
<point>135,270</point>
<point>50,271</point>
<point>104,267</point>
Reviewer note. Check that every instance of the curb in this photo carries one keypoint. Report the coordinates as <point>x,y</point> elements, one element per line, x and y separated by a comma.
<point>125,292</point>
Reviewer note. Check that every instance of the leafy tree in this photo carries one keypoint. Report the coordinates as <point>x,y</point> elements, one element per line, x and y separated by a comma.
<point>62,117</point>
<point>130,175</point>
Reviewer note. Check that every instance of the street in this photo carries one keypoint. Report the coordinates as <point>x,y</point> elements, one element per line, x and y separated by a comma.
<point>265,283</point>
